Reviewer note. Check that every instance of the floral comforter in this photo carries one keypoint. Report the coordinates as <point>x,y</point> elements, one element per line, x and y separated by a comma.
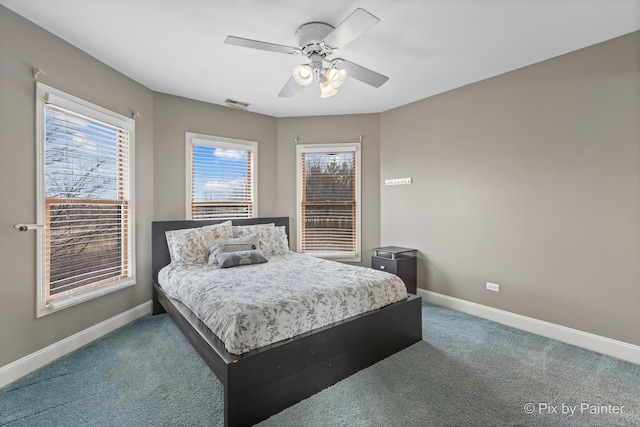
<point>252,306</point>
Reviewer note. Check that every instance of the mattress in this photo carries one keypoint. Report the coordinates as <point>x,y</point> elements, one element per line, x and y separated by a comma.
<point>251,306</point>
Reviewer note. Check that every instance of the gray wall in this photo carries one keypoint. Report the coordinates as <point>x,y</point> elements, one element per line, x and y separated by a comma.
<point>531,180</point>
<point>174,116</point>
<point>24,46</point>
<point>331,129</point>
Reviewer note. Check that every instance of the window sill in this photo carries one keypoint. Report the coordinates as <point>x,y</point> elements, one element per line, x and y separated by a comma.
<point>335,256</point>
<point>70,301</point>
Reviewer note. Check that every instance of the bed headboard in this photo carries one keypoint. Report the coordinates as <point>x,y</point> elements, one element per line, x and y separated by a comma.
<point>160,251</point>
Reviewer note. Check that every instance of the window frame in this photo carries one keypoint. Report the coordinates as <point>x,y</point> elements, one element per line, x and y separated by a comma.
<point>192,139</point>
<point>94,112</point>
<point>335,148</point>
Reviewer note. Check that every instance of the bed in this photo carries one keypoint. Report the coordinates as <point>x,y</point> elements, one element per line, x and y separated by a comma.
<point>263,381</point>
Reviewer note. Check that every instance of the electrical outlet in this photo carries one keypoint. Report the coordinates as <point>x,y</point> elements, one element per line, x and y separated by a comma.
<point>493,287</point>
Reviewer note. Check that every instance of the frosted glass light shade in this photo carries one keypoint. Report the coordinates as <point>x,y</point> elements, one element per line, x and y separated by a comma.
<point>327,90</point>
<point>336,77</point>
<point>303,75</point>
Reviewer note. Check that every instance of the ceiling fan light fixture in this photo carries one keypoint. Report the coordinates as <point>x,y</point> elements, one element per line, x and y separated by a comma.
<point>327,90</point>
<point>303,74</point>
<point>336,77</point>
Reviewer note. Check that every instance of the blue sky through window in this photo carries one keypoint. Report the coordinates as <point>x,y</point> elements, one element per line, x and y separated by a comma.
<point>220,174</point>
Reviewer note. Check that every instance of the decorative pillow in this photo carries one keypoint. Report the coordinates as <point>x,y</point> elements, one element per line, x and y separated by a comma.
<point>217,231</point>
<point>273,240</point>
<point>186,247</point>
<point>246,243</point>
<point>234,259</point>
<point>245,230</point>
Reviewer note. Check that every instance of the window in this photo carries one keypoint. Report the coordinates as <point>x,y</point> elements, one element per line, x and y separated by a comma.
<point>221,177</point>
<point>329,200</point>
<point>85,200</point>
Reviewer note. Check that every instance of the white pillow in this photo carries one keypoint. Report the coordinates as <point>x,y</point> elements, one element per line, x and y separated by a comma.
<point>273,240</point>
<point>188,247</point>
<point>245,230</point>
<point>217,231</point>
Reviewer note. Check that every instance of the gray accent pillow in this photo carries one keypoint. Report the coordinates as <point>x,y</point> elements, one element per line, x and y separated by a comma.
<point>234,259</point>
<point>246,243</point>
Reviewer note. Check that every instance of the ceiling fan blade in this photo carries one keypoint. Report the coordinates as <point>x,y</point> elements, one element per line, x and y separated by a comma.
<point>255,44</point>
<point>290,88</point>
<point>351,28</point>
<point>358,72</point>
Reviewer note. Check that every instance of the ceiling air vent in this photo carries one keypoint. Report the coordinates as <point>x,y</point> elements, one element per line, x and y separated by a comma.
<point>236,104</point>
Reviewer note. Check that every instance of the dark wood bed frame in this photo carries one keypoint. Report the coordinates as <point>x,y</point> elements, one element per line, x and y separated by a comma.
<point>267,380</point>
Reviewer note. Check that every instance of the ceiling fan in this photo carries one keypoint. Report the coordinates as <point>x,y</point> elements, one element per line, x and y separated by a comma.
<point>318,41</point>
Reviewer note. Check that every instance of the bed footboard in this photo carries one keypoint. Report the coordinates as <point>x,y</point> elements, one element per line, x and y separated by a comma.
<point>270,381</point>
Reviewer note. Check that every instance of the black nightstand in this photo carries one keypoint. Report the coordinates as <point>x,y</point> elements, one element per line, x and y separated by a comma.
<point>399,261</point>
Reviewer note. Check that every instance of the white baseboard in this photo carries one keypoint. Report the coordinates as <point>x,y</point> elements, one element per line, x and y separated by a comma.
<point>21,367</point>
<point>600,344</point>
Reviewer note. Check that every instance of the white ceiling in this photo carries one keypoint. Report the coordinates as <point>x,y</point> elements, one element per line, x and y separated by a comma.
<point>426,47</point>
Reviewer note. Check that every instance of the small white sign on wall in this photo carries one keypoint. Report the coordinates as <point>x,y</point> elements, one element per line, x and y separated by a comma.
<point>398,181</point>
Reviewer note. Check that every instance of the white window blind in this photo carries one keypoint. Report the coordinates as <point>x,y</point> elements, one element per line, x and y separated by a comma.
<point>221,178</point>
<point>88,206</point>
<point>329,201</point>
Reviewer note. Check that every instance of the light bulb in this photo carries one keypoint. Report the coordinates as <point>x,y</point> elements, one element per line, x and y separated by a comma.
<point>327,89</point>
<point>336,77</point>
<point>303,74</point>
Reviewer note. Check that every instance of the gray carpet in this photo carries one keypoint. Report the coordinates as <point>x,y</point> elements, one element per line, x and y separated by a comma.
<point>466,371</point>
